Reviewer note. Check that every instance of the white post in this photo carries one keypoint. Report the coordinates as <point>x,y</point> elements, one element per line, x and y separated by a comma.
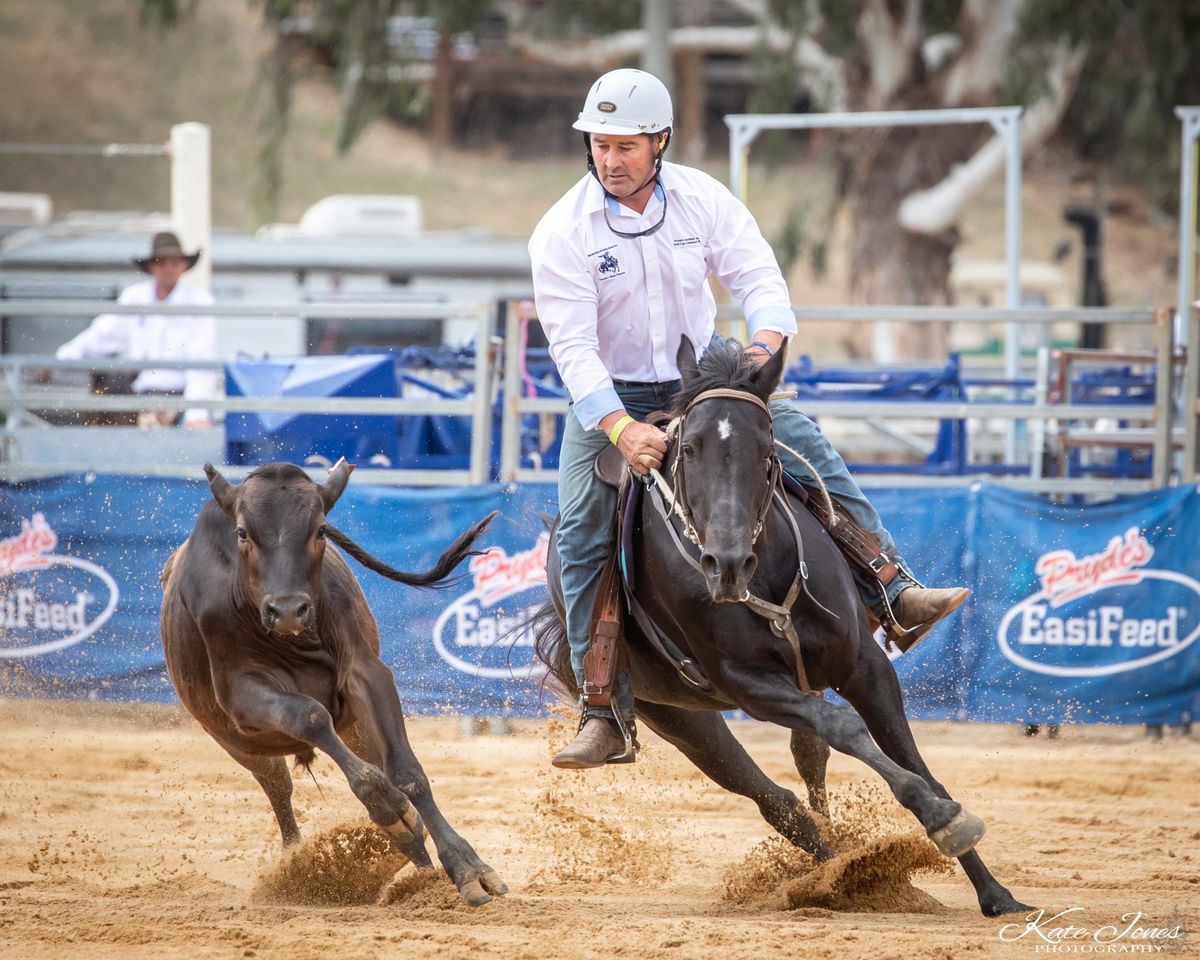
<point>191,195</point>
<point>1190,119</point>
<point>656,57</point>
<point>1009,128</point>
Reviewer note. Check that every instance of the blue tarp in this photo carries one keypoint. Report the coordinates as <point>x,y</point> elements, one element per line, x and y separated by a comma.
<point>1077,613</point>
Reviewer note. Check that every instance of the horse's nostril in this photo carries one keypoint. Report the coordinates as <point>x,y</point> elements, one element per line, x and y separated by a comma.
<point>710,565</point>
<point>272,611</point>
<point>302,611</point>
<point>749,567</point>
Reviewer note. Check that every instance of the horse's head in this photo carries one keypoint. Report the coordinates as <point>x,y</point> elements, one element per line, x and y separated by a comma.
<point>279,521</point>
<point>725,465</point>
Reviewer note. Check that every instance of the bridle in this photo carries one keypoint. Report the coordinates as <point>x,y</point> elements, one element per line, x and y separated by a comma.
<point>672,499</point>
<point>678,477</point>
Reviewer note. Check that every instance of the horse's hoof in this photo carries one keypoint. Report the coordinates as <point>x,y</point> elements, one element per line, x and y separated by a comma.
<point>1005,905</point>
<point>959,835</point>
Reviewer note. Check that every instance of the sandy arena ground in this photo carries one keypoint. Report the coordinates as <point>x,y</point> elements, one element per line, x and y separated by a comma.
<point>125,832</point>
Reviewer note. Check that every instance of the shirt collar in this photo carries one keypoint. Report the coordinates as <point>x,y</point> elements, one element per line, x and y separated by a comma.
<point>615,208</point>
<point>594,196</point>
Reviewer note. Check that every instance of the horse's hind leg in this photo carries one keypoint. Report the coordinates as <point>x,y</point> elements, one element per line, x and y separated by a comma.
<point>704,738</point>
<point>811,755</point>
<point>272,775</point>
<point>875,693</point>
<point>767,695</point>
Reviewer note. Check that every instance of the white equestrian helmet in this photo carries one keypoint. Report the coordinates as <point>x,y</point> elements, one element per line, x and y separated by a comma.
<point>626,101</point>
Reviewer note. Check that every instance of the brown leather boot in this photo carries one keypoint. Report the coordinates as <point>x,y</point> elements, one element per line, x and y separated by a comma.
<point>597,743</point>
<point>918,609</point>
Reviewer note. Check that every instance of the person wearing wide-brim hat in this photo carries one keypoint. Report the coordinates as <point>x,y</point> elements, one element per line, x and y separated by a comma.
<point>164,246</point>
<point>152,336</point>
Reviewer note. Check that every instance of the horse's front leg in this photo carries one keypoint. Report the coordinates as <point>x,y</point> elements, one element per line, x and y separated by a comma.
<point>371,697</point>
<point>874,691</point>
<point>704,738</point>
<point>257,706</point>
<point>774,697</point>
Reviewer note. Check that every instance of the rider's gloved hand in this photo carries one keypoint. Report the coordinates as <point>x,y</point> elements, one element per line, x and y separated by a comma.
<point>643,446</point>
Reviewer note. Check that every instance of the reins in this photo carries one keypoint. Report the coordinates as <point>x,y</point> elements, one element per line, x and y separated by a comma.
<point>672,499</point>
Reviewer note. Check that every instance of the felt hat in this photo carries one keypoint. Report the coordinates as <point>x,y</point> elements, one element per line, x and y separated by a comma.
<point>165,244</point>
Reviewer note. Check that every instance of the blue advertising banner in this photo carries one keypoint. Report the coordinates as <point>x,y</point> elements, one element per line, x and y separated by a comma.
<point>1078,614</point>
<point>80,560</point>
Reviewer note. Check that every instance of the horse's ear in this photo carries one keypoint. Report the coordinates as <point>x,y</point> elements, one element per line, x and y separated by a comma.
<point>766,378</point>
<point>335,483</point>
<point>223,491</point>
<point>685,360</point>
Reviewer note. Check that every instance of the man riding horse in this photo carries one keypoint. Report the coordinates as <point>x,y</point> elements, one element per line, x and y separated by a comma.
<point>620,273</point>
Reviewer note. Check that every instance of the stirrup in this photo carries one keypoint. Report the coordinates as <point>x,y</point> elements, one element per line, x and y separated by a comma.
<point>608,713</point>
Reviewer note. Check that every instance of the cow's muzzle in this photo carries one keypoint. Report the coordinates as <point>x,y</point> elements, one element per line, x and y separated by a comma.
<point>288,614</point>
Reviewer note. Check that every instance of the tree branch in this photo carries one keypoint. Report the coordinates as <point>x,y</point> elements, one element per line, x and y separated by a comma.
<point>936,209</point>
<point>890,47</point>
<point>603,52</point>
<point>988,28</point>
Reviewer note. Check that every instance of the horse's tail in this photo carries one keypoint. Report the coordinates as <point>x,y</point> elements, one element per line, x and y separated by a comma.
<point>550,646</point>
<point>438,576</point>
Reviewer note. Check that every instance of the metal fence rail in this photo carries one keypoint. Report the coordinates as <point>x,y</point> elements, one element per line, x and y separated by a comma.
<point>17,399</point>
<point>1160,414</point>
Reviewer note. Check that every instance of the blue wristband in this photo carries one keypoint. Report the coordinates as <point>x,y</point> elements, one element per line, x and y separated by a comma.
<point>763,346</point>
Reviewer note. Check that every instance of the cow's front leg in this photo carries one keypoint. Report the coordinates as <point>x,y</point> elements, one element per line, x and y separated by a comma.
<point>371,696</point>
<point>258,706</point>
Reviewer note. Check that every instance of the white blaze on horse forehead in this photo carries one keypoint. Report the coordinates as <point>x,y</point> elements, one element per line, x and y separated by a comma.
<point>724,428</point>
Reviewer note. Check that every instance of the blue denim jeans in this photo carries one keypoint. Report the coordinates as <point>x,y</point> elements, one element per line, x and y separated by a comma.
<point>586,505</point>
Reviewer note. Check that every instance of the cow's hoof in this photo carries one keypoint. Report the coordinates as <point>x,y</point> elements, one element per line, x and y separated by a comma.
<point>959,835</point>
<point>409,828</point>
<point>408,836</point>
<point>481,890</point>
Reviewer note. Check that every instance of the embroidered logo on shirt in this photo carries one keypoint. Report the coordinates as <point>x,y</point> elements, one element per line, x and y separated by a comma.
<point>608,266</point>
<point>687,242</point>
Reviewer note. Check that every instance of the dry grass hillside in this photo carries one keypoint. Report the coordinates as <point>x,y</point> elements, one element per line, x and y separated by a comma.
<point>81,71</point>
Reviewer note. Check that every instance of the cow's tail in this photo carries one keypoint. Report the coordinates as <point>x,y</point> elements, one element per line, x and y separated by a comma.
<point>437,576</point>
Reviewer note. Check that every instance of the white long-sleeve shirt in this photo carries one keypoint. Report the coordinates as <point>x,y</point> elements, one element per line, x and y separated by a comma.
<point>615,308</point>
<point>152,336</point>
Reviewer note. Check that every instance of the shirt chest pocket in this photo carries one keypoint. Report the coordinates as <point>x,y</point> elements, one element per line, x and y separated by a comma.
<point>688,260</point>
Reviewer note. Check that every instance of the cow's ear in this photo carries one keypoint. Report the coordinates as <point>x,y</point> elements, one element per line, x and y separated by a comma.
<point>222,490</point>
<point>335,483</point>
<point>685,360</point>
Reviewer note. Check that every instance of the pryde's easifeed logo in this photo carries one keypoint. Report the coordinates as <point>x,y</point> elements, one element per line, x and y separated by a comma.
<point>48,601</point>
<point>1101,613</point>
<point>481,634</point>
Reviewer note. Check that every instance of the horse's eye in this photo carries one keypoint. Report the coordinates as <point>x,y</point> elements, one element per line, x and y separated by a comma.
<point>688,451</point>
<point>242,535</point>
<point>321,532</point>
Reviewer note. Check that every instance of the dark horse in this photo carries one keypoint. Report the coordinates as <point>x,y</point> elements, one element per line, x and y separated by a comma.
<point>724,472</point>
<point>272,648</point>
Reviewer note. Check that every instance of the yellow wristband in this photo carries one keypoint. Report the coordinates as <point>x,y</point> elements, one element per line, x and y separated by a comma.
<point>618,428</point>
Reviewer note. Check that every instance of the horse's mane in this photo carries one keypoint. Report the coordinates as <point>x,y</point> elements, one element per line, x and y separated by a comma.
<point>723,366</point>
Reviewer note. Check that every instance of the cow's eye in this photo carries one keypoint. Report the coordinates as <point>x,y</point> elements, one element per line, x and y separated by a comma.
<point>242,535</point>
<point>321,533</point>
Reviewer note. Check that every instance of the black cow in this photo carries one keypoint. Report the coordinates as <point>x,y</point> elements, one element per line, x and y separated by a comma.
<point>272,648</point>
